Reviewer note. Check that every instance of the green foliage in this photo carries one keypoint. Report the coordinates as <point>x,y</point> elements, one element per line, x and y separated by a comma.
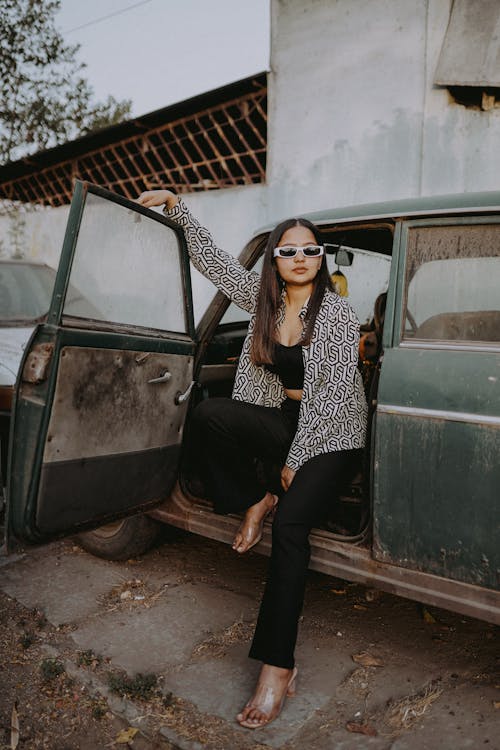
<point>50,669</point>
<point>99,709</point>
<point>44,97</point>
<point>17,235</point>
<point>26,640</point>
<point>88,658</point>
<point>141,686</point>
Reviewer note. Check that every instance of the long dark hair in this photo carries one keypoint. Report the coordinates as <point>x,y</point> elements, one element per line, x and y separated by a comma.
<point>271,287</point>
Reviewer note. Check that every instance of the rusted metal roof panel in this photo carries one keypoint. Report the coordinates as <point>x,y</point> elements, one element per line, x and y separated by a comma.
<point>215,140</point>
<point>470,55</point>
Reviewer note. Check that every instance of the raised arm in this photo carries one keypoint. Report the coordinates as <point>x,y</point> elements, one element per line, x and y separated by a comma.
<point>221,268</point>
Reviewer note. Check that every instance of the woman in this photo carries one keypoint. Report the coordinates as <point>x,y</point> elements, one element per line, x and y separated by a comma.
<point>298,400</point>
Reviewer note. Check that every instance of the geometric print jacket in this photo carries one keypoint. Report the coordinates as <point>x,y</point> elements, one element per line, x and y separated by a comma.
<point>333,409</point>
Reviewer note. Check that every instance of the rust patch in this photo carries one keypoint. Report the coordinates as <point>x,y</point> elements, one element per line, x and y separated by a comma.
<point>37,363</point>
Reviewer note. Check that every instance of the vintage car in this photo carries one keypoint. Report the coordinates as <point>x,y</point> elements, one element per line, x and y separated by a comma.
<point>104,392</point>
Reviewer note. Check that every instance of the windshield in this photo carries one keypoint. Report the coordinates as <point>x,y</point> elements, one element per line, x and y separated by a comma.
<point>25,291</point>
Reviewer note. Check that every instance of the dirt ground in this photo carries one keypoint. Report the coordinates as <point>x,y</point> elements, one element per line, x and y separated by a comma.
<point>41,705</point>
<point>378,671</point>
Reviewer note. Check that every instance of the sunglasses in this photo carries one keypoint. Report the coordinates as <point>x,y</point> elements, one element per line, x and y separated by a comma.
<point>290,251</point>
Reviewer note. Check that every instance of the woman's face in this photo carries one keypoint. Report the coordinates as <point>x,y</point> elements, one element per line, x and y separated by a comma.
<point>298,270</point>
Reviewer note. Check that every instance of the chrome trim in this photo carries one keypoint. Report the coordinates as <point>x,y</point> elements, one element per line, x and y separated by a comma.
<point>448,346</point>
<point>450,416</point>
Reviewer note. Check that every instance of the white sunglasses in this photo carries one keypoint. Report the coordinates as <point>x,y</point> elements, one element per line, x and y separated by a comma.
<point>290,251</point>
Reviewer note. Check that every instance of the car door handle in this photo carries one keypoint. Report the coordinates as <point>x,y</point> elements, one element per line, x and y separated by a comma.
<point>181,397</point>
<point>162,379</point>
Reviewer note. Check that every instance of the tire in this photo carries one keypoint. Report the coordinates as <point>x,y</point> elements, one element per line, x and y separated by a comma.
<point>122,539</point>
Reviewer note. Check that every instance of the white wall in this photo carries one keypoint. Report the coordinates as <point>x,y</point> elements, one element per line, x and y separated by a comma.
<point>353,115</point>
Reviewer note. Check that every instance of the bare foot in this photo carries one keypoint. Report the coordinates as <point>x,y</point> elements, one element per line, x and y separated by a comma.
<point>274,685</point>
<point>250,531</point>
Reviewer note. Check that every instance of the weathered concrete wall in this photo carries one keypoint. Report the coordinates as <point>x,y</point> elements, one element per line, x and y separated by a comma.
<point>353,114</point>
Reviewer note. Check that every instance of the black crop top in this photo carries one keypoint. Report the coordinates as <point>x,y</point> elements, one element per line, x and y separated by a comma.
<point>288,365</point>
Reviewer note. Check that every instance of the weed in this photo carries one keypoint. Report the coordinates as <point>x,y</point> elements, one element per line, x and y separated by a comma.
<point>39,617</point>
<point>168,699</point>
<point>99,709</point>
<point>26,640</point>
<point>142,686</point>
<point>50,669</point>
<point>88,659</point>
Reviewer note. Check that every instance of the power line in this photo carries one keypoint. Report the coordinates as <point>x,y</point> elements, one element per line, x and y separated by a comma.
<point>105,18</point>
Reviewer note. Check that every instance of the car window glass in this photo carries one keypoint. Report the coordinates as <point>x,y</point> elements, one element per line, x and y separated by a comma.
<point>364,280</point>
<point>452,292</point>
<point>25,291</point>
<point>126,269</point>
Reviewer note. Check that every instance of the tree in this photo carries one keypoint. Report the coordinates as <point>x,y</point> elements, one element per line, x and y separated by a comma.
<point>44,98</point>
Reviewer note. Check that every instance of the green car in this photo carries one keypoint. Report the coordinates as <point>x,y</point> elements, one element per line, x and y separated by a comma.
<point>103,394</point>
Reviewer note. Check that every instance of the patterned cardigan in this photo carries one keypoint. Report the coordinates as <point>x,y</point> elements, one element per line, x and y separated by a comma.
<point>333,408</point>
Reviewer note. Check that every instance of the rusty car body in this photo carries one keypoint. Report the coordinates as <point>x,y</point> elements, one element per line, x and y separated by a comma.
<point>103,395</point>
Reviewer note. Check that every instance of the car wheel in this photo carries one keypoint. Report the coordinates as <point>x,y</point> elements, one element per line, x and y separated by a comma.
<point>119,540</point>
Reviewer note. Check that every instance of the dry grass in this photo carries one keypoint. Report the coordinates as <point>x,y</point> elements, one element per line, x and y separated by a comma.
<point>406,712</point>
<point>131,593</point>
<point>217,644</point>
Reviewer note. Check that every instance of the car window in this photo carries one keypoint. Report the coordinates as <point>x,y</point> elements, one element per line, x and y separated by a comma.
<point>452,291</point>
<point>366,278</point>
<point>127,268</point>
<point>25,291</point>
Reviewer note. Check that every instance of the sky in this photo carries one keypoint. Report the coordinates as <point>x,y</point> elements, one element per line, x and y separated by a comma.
<point>157,52</point>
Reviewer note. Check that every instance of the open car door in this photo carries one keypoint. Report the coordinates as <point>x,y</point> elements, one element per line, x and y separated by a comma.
<point>102,391</point>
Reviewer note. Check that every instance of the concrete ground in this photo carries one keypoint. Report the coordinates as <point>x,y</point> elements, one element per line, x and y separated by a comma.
<point>375,671</point>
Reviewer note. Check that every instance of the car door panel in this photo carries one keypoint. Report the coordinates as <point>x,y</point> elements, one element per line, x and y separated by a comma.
<point>97,419</point>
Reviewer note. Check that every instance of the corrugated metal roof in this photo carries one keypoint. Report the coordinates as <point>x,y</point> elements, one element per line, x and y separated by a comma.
<point>216,139</point>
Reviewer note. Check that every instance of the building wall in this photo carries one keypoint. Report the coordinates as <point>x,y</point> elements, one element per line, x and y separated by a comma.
<point>353,114</point>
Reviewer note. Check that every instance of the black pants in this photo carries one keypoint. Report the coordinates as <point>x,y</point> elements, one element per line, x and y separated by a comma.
<point>229,437</point>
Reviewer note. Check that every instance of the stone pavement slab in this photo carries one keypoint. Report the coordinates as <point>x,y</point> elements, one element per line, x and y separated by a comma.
<point>183,630</point>
<point>66,588</point>
<point>222,686</point>
<point>154,639</point>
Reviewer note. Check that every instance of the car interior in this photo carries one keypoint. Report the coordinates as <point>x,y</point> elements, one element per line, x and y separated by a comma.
<point>359,259</point>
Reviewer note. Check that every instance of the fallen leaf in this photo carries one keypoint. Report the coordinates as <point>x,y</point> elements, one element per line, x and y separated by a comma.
<point>126,736</point>
<point>367,729</point>
<point>338,592</point>
<point>361,607</point>
<point>427,616</point>
<point>14,728</point>
<point>367,660</point>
